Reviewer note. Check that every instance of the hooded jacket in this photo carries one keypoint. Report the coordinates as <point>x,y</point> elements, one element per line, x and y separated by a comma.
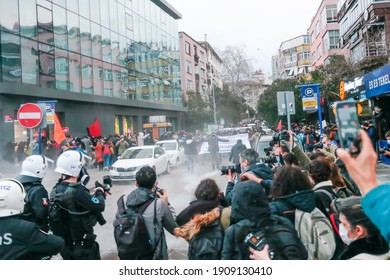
<point>201,226</point>
<point>286,205</point>
<point>249,207</point>
<point>250,214</point>
<point>165,215</point>
<point>260,170</point>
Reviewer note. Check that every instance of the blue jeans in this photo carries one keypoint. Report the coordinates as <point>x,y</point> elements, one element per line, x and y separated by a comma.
<point>107,160</point>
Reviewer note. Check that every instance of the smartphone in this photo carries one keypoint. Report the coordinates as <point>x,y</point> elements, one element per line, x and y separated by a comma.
<point>348,126</point>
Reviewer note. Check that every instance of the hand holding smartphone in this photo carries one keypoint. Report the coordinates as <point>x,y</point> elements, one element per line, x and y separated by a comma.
<point>348,127</point>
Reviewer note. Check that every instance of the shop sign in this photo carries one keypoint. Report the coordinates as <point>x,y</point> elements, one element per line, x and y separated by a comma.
<point>355,88</point>
<point>8,119</point>
<point>378,82</point>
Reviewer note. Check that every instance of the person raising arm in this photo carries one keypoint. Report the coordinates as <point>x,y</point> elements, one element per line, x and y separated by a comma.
<point>376,197</point>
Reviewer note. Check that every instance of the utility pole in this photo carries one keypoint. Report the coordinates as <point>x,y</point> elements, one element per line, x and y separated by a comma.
<point>210,76</point>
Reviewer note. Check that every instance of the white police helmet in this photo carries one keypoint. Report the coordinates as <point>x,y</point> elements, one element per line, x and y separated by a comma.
<point>34,166</point>
<point>12,195</point>
<point>70,163</point>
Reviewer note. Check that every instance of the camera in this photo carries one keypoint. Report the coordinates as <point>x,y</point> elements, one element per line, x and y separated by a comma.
<point>106,186</point>
<point>255,241</point>
<point>270,160</point>
<point>107,182</point>
<point>318,145</point>
<point>235,168</point>
<point>283,135</point>
<point>268,150</point>
<point>158,190</point>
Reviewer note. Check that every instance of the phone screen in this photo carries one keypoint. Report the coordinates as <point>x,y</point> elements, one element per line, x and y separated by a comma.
<point>348,126</point>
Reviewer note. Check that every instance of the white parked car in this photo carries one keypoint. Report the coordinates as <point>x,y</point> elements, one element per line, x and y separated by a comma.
<point>128,164</point>
<point>175,151</point>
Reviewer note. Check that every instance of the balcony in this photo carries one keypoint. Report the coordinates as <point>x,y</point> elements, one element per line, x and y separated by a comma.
<point>196,58</point>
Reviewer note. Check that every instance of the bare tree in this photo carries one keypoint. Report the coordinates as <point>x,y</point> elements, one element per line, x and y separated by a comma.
<point>237,68</point>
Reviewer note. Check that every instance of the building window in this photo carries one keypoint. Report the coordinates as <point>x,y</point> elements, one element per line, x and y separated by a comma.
<point>317,28</point>
<point>189,85</point>
<point>188,48</point>
<point>319,51</point>
<point>304,55</point>
<point>306,39</point>
<point>331,13</point>
<point>334,36</point>
<point>189,67</point>
<point>203,73</point>
<point>201,55</point>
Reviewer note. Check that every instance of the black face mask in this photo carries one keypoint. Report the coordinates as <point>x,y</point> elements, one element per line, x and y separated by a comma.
<point>84,176</point>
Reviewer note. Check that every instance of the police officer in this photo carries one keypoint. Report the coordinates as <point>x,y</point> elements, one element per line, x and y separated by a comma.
<point>77,210</point>
<point>21,239</point>
<point>36,208</point>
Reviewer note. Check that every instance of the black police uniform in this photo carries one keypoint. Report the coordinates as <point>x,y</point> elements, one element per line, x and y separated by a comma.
<point>24,240</point>
<point>36,208</point>
<point>81,211</point>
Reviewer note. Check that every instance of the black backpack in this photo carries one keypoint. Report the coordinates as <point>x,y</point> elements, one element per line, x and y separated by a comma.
<point>283,241</point>
<point>131,236</point>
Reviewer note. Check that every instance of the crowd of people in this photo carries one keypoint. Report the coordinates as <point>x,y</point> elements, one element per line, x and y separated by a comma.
<point>258,215</point>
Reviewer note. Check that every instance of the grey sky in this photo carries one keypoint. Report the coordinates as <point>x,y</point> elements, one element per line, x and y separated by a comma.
<point>260,25</point>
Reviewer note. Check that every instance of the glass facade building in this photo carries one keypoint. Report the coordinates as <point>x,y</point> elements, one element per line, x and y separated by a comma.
<point>114,52</point>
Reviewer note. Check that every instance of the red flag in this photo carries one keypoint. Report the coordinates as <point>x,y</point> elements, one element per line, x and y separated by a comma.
<point>59,134</point>
<point>94,129</point>
<point>279,127</point>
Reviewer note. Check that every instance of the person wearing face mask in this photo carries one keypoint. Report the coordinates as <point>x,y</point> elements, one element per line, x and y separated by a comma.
<point>363,239</point>
<point>386,150</point>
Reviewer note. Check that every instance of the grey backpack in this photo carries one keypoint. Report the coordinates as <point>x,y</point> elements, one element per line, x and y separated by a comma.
<point>316,233</point>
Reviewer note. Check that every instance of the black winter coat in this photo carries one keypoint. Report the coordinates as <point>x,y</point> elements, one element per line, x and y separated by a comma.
<point>23,240</point>
<point>235,152</point>
<point>36,208</point>
<point>201,226</point>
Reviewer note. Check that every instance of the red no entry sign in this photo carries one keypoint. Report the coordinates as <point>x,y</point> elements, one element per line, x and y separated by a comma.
<point>30,115</point>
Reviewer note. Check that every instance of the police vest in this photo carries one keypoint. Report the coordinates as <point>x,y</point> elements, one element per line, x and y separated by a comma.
<point>78,222</point>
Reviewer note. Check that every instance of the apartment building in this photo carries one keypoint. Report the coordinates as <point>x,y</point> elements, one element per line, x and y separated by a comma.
<point>193,62</point>
<point>364,28</point>
<point>293,58</point>
<point>324,34</point>
<point>201,66</point>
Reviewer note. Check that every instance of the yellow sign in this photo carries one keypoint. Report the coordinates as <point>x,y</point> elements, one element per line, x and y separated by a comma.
<point>310,104</point>
<point>359,109</point>
<point>342,90</point>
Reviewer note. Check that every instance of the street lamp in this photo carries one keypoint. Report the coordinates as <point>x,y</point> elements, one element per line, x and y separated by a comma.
<point>214,105</point>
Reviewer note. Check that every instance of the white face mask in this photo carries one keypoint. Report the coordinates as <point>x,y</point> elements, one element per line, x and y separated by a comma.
<point>344,234</point>
<point>388,142</point>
